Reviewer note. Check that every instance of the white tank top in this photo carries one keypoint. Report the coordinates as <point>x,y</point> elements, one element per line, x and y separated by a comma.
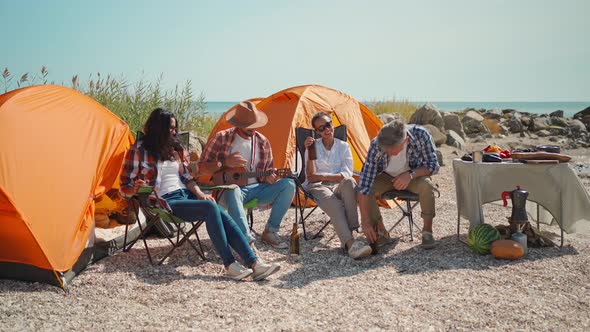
<point>170,178</point>
<point>244,148</point>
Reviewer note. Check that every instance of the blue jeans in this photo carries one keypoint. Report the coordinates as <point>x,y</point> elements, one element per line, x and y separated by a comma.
<point>279,195</point>
<point>222,229</point>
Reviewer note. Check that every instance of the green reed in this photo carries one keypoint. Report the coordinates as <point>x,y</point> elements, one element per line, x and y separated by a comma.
<point>403,107</point>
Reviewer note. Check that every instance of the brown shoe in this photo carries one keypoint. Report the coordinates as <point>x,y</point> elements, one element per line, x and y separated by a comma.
<point>384,238</point>
<point>427,240</point>
<point>273,240</point>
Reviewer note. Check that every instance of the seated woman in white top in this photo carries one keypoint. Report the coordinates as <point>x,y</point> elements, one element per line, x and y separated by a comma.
<point>329,180</point>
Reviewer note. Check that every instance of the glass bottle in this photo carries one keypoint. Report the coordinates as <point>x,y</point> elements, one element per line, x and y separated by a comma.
<point>294,241</point>
<point>311,152</point>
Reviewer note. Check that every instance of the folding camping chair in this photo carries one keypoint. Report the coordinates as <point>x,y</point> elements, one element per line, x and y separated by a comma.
<point>157,212</point>
<point>300,135</point>
<point>159,215</point>
<point>411,200</point>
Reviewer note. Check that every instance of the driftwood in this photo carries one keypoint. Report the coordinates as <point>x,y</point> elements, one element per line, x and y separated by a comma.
<point>534,238</point>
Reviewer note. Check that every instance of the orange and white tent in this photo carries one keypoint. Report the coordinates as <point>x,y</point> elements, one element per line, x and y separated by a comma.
<point>59,150</point>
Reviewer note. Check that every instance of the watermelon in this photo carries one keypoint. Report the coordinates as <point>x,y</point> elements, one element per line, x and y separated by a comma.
<point>481,237</point>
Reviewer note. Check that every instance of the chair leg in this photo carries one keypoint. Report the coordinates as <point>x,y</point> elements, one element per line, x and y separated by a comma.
<point>200,246</point>
<point>307,216</point>
<point>136,212</point>
<point>150,221</point>
<point>410,219</point>
<point>321,229</point>
<point>194,230</point>
<point>407,212</point>
<point>299,209</point>
<point>142,234</point>
<point>251,219</point>
<point>302,222</point>
<point>301,212</point>
<point>185,238</point>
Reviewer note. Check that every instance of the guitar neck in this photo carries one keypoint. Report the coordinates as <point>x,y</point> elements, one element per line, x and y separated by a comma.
<point>256,174</point>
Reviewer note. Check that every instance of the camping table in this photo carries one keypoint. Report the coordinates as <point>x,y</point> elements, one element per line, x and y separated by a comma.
<point>555,192</point>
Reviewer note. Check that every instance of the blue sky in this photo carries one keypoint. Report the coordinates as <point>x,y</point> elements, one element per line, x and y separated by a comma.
<point>426,50</point>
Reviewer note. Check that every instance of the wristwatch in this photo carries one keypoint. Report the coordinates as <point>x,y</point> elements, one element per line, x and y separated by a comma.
<point>412,174</point>
<point>219,164</point>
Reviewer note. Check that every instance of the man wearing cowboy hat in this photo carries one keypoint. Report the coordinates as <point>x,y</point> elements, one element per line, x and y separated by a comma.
<point>242,146</point>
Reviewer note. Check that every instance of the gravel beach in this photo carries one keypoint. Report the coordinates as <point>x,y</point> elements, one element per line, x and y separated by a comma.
<point>402,288</point>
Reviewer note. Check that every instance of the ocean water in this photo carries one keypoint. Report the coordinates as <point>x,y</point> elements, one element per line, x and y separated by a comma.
<point>219,107</point>
<point>569,108</point>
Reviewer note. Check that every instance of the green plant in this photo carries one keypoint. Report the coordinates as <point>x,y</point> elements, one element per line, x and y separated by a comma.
<point>204,124</point>
<point>7,77</point>
<point>35,79</point>
<point>134,102</point>
<point>403,107</point>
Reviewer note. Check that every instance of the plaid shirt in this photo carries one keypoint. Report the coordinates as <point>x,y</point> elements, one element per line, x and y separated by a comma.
<point>420,153</point>
<point>140,164</point>
<point>218,148</point>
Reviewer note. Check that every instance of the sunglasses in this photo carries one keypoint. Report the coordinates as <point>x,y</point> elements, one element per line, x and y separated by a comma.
<point>324,126</point>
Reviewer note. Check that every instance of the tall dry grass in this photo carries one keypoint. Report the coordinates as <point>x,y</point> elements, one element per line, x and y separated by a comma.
<point>132,102</point>
<point>403,107</point>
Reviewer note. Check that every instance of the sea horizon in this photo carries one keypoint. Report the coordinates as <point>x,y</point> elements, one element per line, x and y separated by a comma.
<point>536,107</point>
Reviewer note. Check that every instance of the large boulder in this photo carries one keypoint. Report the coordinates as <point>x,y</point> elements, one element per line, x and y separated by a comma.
<point>473,123</point>
<point>525,120</point>
<point>453,122</point>
<point>558,113</point>
<point>581,114</point>
<point>195,147</point>
<point>556,130</point>
<point>428,114</point>
<point>388,117</point>
<point>576,126</point>
<point>538,124</point>
<point>586,120</point>
<point>557,121</point>
<point>439,156</point>
<point>495,114</point>
<point>438,136</point>
<point>454,139</point>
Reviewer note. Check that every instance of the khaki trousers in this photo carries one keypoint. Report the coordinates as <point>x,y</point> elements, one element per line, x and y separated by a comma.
<point>339,201</point>
<point>421,185</point>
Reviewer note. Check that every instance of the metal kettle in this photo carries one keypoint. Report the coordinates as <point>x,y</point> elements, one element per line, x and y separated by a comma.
<point>518,198</point>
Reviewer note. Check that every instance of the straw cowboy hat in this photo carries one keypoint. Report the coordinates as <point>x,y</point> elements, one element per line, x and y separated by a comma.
<point>246,116</point>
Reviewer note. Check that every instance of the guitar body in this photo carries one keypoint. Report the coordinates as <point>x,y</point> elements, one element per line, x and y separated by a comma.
<point>239,176</point>
<point>230,176</point>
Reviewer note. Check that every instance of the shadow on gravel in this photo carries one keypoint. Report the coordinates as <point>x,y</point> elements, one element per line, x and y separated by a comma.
<point>136,261</point>
<point>449,254</point>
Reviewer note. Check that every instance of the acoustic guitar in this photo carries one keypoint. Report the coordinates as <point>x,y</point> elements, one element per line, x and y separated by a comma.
<point>240,176</point>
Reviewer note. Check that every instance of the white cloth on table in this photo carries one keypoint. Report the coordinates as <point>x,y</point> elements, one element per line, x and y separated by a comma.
<point>555,187</point>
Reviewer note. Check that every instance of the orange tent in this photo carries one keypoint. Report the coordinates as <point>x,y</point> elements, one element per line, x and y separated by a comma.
<point>59,150</point>
<point>294,107</point>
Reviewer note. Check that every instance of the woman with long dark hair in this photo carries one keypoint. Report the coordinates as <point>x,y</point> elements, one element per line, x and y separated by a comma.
<point>159,160</point>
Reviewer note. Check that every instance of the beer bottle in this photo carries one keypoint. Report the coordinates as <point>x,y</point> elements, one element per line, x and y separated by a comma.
<point>294,241</point>
<point>311,152</point>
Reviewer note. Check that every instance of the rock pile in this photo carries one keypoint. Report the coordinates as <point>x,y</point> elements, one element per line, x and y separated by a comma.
<point>453,128</point>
